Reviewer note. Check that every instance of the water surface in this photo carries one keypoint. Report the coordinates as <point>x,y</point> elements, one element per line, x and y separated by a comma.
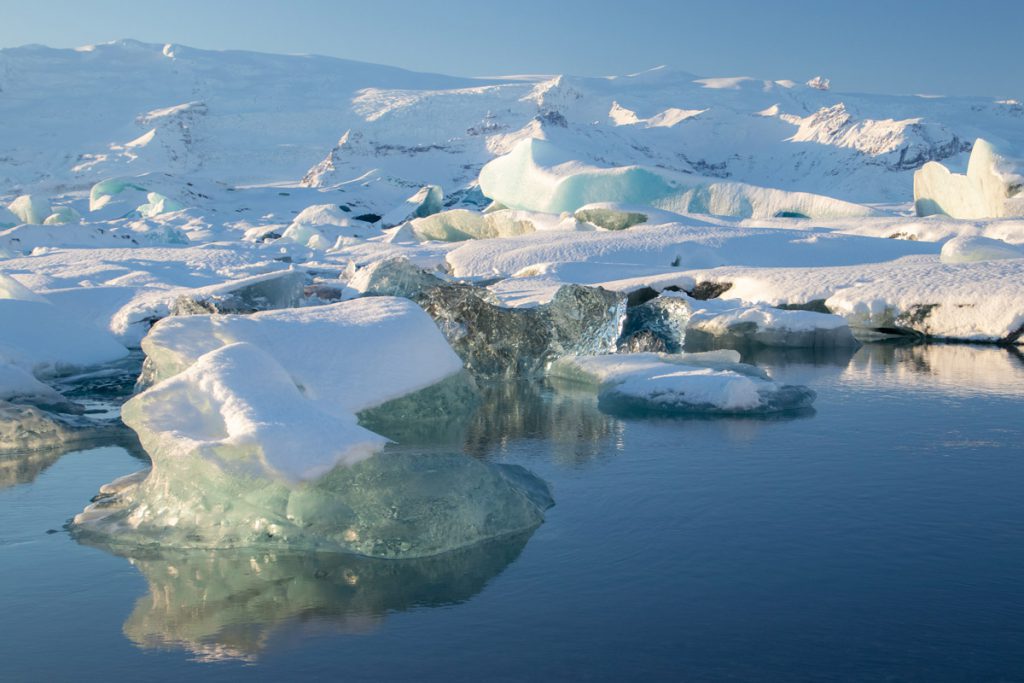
<point>880,536</point>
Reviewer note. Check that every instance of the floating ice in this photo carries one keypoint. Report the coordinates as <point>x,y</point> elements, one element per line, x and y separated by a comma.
<point>495,341</point>
<point>656,325</point>
<point>458,225</point>
<point>538,176</point>
<point>722,324</point>
<point>680,384</point>
<point>250,422</point>
<point>992,188</point>
<point>968,249</point>
<point>30,208</point>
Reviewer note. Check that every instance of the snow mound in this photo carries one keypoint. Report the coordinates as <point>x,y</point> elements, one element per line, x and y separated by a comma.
<point>538,176</point>
<point>427,201</point>
<point>680,384</point>
<point>967,249</point>
<point>992,188</point>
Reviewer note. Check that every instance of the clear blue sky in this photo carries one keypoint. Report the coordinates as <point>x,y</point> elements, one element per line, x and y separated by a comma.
<point>929,46</point>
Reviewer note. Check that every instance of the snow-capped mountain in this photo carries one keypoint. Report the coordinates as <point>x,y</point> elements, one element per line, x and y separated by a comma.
<point>73,117</point>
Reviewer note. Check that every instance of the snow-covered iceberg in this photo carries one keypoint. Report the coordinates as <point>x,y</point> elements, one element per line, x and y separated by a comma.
<point>251,424</point>
<point>992,188</point>
<point>538,176</point>
<point>711,383</point>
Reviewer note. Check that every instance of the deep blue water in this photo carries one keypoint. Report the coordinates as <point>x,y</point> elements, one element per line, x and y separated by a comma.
<point>880,537</point>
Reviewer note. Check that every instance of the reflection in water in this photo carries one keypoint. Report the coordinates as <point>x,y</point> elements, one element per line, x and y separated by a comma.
<point>569,423</point>
<point>946,368</point>
<point>237,604</point>
<point>22,467</point>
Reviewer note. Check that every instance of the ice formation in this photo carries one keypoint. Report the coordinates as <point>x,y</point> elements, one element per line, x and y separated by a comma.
<point>157,204</point>
<point>272,398</point>
<point>427,201</point>
<point>992,188</point>
<point>680,384</point>
<point>728,325</point>
<point>495,341</point>
<point>62,215</point>
<point>30,208</point>
<point>538,176</point>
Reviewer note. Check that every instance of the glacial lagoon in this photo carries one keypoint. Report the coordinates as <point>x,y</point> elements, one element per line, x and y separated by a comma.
<point>875,535</point>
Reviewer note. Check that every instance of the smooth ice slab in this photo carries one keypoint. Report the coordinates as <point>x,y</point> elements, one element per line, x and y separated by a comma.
<point>681,384</point>
<point>727,324</point>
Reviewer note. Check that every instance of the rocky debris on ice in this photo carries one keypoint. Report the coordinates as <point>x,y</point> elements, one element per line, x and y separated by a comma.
<point>680,384</point>
<point>992,188</point>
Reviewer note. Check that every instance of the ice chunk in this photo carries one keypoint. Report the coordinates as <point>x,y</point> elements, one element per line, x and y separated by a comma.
<point>17,385</point>
<point>267,291</point>
<point>656,325</point>
<point>45,339</point>
<point>723,324</point>
<point>157,204</point>
<point>347,356</point>
<point>680,384</point>
<point>992,188</point>
<point>460,224</point>
<point>321,225</point>
<point>62,215</point>
<point>610,217</point>
<point>495,341</point>
<point>538,176</point>
<point>968,249</point>
<point>104,192</point>
<point>30,208</point>
<point>427,201</point>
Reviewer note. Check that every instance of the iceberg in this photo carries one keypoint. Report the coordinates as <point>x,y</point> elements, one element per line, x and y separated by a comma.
<point>656,325</point>
<point>251,425</point>
<point>495,341</point>
<point>30,208</point>
<point>538,176</point>
<point>721,324</point>
<point>711,383</point>
<point>320,226</point>
<point>427,201</point>
<point>992,188</point>
<point>104,192</point>
<point>62,215</point>
<point>157,204</point>
<point>458,225</point>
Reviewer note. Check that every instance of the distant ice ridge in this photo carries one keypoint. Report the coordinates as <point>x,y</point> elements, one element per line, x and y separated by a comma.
<point>713,382</point>
<point>251,424</point>
<point>992,188</point>
<point>538,176</point>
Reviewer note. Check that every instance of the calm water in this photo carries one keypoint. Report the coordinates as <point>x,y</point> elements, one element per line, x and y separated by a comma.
<point>879,537</point>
